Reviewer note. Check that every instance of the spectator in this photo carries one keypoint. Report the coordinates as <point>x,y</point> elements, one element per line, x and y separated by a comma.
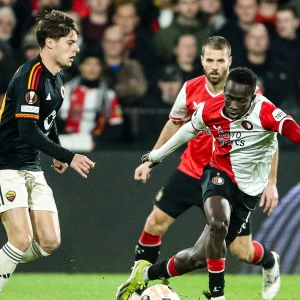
<point>185,52</point>
<point>138,45</point>
<point>166,13</point>
<point>272,73</point>
<point>234,30</point>
<point>286,44</point>
<point>8,22</point>
<point>123,75</point>
<point>96,22</point>
<point>266,13</point>
<point>213,9</point>
<point>90,115</point>
<point>188,21</point>
<point>30,47</point>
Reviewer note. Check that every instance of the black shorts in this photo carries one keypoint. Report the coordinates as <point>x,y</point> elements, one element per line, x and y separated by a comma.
<point>180,193</point>
<point>215,182</point>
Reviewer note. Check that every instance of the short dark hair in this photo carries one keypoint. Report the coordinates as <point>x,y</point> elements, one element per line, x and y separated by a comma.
<point>243,76</point>
<point>217,43</point>
<point>54,24</point>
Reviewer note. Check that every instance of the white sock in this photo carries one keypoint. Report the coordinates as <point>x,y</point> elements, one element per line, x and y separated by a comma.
<point>33,252</point>
<point>10,256</point>
<point>145,273</point>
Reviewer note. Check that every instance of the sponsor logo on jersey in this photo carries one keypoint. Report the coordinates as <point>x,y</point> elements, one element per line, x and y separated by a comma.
<point>49,121</point>
<point>247,125</point>
<point>278,114</point>
<point>10,195</point>
<point>62,91</point>
<point>196,105</point>
<point>31,97</point>
<point>159,195</point>
<point>30,109</point>
<point>218,180</point>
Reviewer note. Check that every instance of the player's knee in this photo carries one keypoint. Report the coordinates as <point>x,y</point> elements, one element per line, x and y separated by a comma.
<point>156,226</point>
<point>21,242</point>
<point>218,229</point>
<point>50,244</point>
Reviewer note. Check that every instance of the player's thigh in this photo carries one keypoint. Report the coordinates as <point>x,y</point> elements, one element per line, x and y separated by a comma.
<point>45,224</point>
<point>179,193</point>
<point>17,224</point>
<point>13,190</point>
<point>43,211</point>
<point>40,194</point>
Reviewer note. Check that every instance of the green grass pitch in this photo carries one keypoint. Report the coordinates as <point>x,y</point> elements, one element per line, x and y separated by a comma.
<point>103,287</point>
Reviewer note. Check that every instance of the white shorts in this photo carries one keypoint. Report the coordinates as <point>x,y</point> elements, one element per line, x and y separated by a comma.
<point>25,189</point>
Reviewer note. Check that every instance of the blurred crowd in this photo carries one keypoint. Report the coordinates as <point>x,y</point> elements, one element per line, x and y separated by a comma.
<point>136,54</point>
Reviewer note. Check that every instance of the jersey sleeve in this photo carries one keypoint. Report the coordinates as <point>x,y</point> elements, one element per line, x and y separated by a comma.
<point>272,118</point>
<point>26,95</point>
<point>197,118</point>
<point>180,111</point>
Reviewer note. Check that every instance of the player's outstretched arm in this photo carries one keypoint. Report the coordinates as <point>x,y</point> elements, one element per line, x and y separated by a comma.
<point>142,172</point>
<point>184,134</point>
<point>269,198</point>
<point>82,165</point>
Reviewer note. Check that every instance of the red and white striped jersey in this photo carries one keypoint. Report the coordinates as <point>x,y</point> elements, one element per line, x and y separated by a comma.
<point>199,150</point>
<point>243,148</point>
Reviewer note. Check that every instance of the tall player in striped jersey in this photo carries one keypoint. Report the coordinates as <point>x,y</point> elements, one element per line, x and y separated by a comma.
<point>244,125</point>
<point>27,126</point>
<point>181,191</point>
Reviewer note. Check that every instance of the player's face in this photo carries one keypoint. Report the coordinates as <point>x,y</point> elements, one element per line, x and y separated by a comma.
<point>65,49</point>
<point>216,65</point>
<point>238,99</point>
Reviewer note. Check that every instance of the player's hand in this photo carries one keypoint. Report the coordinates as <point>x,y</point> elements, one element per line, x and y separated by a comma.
<point>82,165</point>
<point>142,172</point>
<point>59,166</point>
<point>269,198</point>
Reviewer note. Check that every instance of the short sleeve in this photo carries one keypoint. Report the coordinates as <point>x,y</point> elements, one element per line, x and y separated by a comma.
<point>180,111</point>
<point>272,117</point>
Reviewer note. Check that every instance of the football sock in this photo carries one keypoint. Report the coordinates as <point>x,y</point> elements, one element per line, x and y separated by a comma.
<point>262,256</point>
<point>33,252</point>
<point>164,269</point>
<point>216,268</point>
<point>148,247</point>
<point>10,256</point>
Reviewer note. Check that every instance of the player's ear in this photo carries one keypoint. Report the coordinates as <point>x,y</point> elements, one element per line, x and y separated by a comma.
<point>49,43</point>
<point>230,61</point>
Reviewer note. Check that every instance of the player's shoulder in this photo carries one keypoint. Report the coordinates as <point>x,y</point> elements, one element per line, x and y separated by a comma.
<point>200,80</point>
<point>30,73</point>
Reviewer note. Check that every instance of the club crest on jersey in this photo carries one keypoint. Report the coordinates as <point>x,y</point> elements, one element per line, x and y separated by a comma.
<point>247,125</point>
<point>159,195</point>
<point>10,195</point>
<point>218,180</point>
<point>31,97</point>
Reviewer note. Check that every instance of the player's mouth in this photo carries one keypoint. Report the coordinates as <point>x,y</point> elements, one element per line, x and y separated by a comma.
<point>232,114</point>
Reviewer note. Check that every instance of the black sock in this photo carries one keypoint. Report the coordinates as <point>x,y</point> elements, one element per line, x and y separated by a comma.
<point>158,270</point>
<point>216,284</point>
<point>268,260</point>
<point>149,253</point>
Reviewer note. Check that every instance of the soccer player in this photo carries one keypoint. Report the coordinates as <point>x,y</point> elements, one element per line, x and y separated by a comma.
<point>244,125</point>
<point>27,126</point>
<point>181,190</point>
